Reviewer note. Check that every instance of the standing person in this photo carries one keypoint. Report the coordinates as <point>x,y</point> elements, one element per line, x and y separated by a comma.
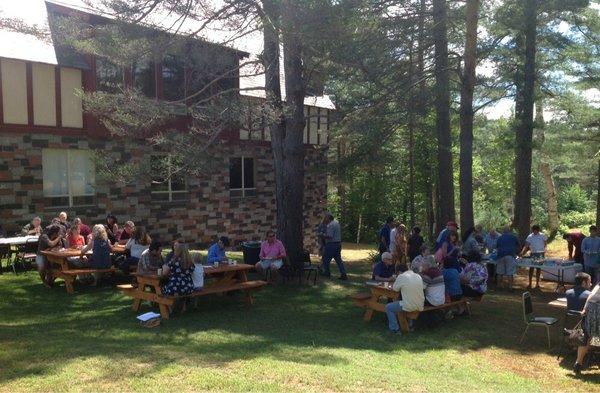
<point>590,248</point>
<point>111,227</point>
<point>451,250</point>
<point>48,240</point>
<point>507,249</point>
<point>491,239</point>
<point>574,240</point>
<point>384,235</point>
<point>84,230</point>
<point>410,286</point>
<point>414,243</point>
<point>536,244</point>
<point>271,255</point>
<point>34,228</point>
<point>591,327</point>
<point>216,252</point>
<point>470,243</point>
<point>451,226</point>
<point>333,247</point>
<point>400,245</point>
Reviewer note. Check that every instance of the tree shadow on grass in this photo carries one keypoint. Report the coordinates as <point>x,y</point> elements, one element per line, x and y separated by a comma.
<point>43,330</point>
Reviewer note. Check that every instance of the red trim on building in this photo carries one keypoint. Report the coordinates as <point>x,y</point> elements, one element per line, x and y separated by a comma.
<point>29,77</point>
<point>58,97</point>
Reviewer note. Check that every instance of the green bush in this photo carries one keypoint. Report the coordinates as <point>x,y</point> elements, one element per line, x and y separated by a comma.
<point>575,219</point>
<point>573,199</point>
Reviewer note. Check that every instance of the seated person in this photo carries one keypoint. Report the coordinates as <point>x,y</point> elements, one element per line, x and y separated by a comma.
<point>384,270</point>
<point>48,240</point>
<point>179,272</point>
<point>127,232</point>
<point>424,252</point>
<point>62,220</point>
<point>271,255</point>
<point>74,238</point>
<point>452,282</point>
<point>151,259</point>
<point>433,280</point>
<point>410,286</point>
<point>474,276</point>
<point>577,296</point>
<point>34,228</point>
<point>84,230</point>
<point>216,252</point>
<point>112,228</point>
<point>135,247</point>
<point>101,249</point>
<point>177,239</point>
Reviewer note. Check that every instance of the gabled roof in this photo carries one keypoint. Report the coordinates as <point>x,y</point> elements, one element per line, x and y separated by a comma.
<point>23,46</point>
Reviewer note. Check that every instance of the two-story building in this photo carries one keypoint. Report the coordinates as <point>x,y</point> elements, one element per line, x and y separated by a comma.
<point>47,142</point>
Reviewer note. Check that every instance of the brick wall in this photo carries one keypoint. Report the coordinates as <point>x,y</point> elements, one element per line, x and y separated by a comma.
<point>208,211</point>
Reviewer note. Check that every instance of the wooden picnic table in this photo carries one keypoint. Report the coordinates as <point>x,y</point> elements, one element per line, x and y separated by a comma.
<point>59,265</point>
<point>378,290</point>
<point>227,278</point>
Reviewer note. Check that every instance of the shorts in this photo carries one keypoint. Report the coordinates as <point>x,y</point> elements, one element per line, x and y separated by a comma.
<point>506,266</point>
<point>267,263</point>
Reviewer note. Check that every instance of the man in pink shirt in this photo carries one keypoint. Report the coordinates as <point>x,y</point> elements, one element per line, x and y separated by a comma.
<point>271,255</point>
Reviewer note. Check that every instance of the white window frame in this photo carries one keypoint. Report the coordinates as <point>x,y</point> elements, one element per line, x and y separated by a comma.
<point>169,189</point>
<point>243,189</point>
<point>70,194</point>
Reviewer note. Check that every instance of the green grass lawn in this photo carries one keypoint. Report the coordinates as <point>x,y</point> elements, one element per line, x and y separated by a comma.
<point>293,339</point>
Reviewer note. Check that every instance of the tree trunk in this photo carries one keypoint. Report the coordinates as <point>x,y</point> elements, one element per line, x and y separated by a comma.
<point>442,108</point>
<point>466,116</point>
<point>286,131</point>
<point>411,141</point>
<point>524,123</point>
<point>598,196</point>
<point>546,171</point>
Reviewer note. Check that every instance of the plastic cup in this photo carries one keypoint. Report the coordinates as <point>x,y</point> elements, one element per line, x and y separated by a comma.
<point>159,272</point>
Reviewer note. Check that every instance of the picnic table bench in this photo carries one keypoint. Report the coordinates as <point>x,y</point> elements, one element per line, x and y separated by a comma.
<point>370,301</point>
<point>228,278</point>
<point>59,267</point>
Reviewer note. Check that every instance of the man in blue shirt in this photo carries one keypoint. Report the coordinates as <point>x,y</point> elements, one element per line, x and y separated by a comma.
<point>384,270</point>
<point>577,296</point>
<point>590,248</point>
<point>216,252</point>
<point>384,235</point>
<point>507,247</point>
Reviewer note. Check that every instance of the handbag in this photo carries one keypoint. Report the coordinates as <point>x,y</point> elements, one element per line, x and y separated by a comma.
<point>576,335</point>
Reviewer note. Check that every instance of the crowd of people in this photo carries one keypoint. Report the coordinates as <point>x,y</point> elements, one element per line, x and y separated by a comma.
<point>138,252</point>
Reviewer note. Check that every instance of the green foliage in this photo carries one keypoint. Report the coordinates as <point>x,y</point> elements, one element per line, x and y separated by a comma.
<point>577,219</point>
<point>573,199</point>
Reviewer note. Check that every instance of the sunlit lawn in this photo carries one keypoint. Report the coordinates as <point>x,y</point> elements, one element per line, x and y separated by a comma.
<point>292,339</point>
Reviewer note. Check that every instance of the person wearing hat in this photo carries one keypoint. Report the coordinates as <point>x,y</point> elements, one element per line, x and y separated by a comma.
<point>384,270</point>
<point>443,236</point>
<point>216,252</point>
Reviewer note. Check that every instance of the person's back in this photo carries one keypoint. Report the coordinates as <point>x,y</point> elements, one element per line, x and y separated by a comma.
<point>507,245</point>
<point>334,232</point>
<point>414,245</point>
<point>410,285</point>
<point>470,245</point>
<point>452,283</point>
<point>576,298</point>
<point>100,258</point>
<point>435,288</point>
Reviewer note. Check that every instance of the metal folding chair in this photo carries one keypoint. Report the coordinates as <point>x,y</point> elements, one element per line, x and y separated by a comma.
<point>26,253</point>
<point>531,320</point>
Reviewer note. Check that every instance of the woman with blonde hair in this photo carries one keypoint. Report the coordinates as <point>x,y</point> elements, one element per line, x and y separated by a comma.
<point>179,270</point>
<point>101,248</point>
<point>400,245</point>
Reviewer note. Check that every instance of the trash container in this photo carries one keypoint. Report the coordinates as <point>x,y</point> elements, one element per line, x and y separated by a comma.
<point>251,252</point>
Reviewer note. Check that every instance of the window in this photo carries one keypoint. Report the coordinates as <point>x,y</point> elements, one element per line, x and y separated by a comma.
<point>69,177</point>
<point>109,76</point>
<point>144,78</point>
<point>241,177</point>
<point>168,184</point>
<point>173,74</point>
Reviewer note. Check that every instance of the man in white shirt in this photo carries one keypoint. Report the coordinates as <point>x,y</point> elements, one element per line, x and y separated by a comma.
<point>536,244</point>
<point>410,285</point>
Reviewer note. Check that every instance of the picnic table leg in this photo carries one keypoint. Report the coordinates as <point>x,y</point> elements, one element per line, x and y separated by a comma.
<point>403,322</point>
<point>69,283</point>
<point>164,310</point>
<point>369,312</point>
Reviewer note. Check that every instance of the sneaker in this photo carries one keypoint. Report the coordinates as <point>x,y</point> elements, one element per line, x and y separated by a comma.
<point>343,277</point>
<point>577,369</point>
<point>394,332</point>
